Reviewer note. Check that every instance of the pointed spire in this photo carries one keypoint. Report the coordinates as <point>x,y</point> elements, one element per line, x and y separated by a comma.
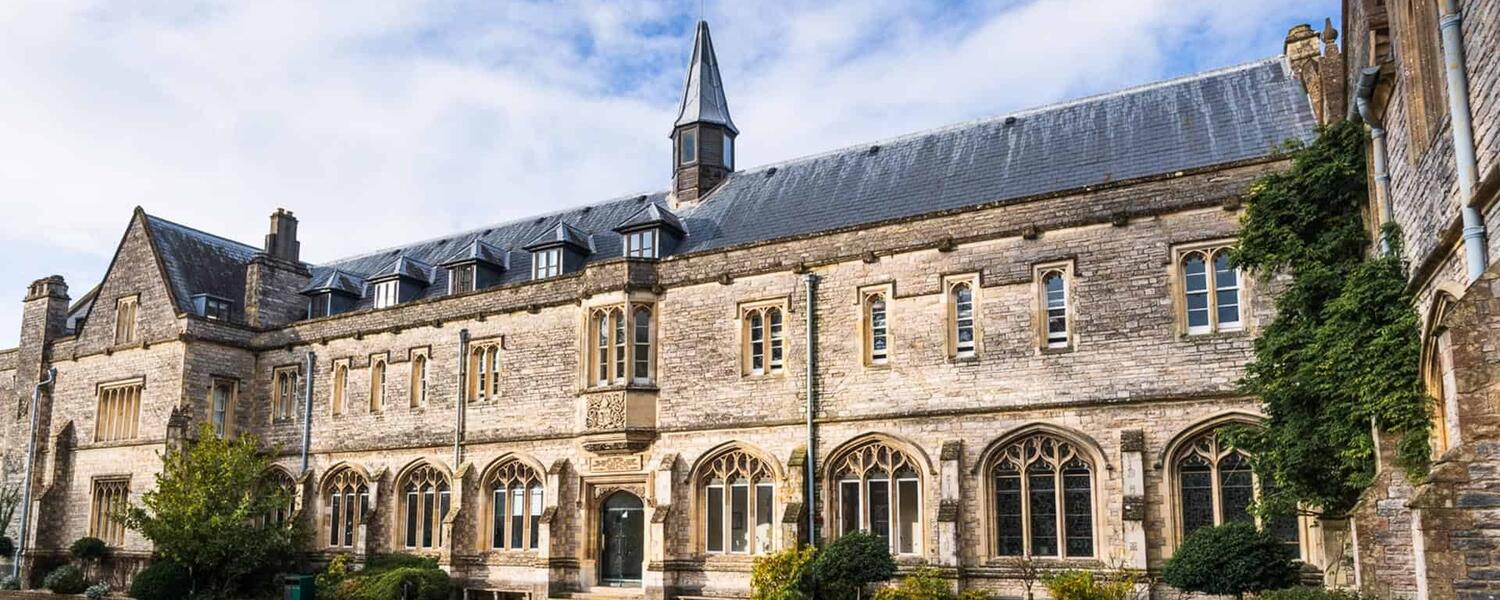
<point>703,95</point>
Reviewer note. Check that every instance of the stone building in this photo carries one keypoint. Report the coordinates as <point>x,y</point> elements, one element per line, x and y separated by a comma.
<point>1016,336</point>
<point>1425,78</point>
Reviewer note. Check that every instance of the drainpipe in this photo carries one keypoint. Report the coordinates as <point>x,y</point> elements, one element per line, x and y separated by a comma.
<point>36,398</point>
<point>307,406</point>
<point>812,369</point>
<point>1368,77</point>
<point>1463,137</point>
<point>458,405</point>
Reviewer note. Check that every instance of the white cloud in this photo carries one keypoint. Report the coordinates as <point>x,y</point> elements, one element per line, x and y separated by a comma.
<point>384,122</point>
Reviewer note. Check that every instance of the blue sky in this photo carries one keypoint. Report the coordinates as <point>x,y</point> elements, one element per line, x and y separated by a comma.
<point>382,122</point>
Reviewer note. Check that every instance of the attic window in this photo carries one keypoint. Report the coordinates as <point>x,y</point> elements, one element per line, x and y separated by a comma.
<point>387,293</point>
<point>546,263</point>
<point>461,279</point>
<point>689,147</point>
<point>641,244</point>
<point>215,309</point>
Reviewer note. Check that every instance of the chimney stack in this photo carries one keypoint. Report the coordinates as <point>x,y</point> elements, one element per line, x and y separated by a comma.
<point>1317,63</point>
<point>282,241</point>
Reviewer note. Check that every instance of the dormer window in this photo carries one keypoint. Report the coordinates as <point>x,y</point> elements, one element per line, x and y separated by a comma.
<point>213,309</point>
<point>387,293</point>
<point>728,151</point>
<point>641,244</point>
<point>320,306</point>
<point>461,279</point>
<point>689,143</point>
<point>546,263</point>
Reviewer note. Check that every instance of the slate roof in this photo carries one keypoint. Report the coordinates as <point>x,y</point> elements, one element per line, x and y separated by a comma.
<point>561,234</point>
<point>200,263</point>
<point>703,96</point>
<point>1223,116</point>
<point>477,251</point>
<point>335,280</point>
<point>405,267</point>
<point>652,215</point>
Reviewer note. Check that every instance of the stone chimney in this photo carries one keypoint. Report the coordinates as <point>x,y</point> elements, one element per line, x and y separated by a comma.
<point>1316,62</point>
<point>275,276</point>
<point>44,316</point>
<point>282,241</point>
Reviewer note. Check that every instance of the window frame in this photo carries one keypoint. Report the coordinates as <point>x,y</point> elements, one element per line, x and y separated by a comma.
<point>413,489</point>
<point>417,386</point>
<point>953,325</point>
<point>284,397</point>
<point>728,151</point>
<point>866,458</point>
<point>546,263</point>
<point>467,272</point>
<point>349,486</point>
<point>1209,251</point>
<point>482,375</point>
<point>338,396</point>
<point>611,346</point>
<point>1042,306</point>
<point>687,147</point>
<point>127,319</point>
<point>769,342</point>
<point>1023,451</point>
<point>124,398</point>
<point>385,293</point>
<point>379,369</point>
<point>217,309</point>
<point>1216,454</point>
<point>649,245</point>
<point>1421,71</point>
<point>223,428</point>
<point>532,485</point>
<point>725,471</point>
<point>869,331</point>
<point>110,494</point>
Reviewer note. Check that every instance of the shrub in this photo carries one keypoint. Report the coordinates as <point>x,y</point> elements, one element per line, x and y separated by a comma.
<point>7,546</point>
<point>845,567</point>
<point>1231,559</point>
<point>97,591</point>
<point>413,583</point>
<point>1085,585</point>
<point>924,584</point>
<point>161,580</point>
<point>387,562</point>
<point>1313,593</point>
<point>782,575</point>
<point>88,549</point>
<point>331,577</point>
<point>9,582</point>
<point>67,579</point>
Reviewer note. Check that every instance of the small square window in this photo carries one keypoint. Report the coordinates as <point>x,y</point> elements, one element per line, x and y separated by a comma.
<point>217,310</point>
<point>641,244</point>
<point>689,147</point>
<point>387,293</point>
<point>546,263</point>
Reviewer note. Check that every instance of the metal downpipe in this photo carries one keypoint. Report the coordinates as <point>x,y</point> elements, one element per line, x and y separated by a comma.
<point>26,485</point>
<point>812,370</point>
<point>463,394</point>
<point>1368,77</point>
<point>1462,123</point>
<point>307,408</point>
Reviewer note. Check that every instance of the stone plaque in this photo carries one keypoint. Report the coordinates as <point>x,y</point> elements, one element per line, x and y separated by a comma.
<point>615,464</point>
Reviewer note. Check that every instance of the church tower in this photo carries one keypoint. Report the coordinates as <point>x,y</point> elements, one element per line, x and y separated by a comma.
<point>703,136</point>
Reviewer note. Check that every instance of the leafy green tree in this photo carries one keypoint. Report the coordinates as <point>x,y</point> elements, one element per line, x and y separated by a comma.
<point>783,575</point>
<point>1231,559</point>
<point>1342,351</point>
<point>852,562</point>
<point>205,514</point>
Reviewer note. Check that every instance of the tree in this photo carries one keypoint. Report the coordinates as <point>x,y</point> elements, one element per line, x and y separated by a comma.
<point>1233,558</point>
<point>204,514</point>
<point>845,567</point>
<point>1342,351</point>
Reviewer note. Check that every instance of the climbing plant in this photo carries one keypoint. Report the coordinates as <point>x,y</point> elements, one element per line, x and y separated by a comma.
<point>1342,352</point>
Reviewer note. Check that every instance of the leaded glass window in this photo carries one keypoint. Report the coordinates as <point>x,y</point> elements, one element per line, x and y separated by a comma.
<point>1217,484</point>
<point>425,503</point>
<point>738,504</point>
<point>1043,499</point>
<point>880,491</point>
<point>347,495</point>
<point>516,503</point>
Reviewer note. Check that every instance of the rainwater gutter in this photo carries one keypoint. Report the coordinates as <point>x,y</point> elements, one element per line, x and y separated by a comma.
<point>1462,123</point>
<point>27,483</point>
<point>463,394</point>
<point>812,366</point>
<point>307,407</point>
<point>1365,87</point>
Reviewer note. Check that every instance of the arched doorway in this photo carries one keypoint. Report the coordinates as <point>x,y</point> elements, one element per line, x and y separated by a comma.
<point>622,537</point>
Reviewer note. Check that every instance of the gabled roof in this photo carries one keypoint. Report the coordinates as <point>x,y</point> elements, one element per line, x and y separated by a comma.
<point>335,280</point>
<point>703,98</point>
<point>1219,117</point>
<point>651,215</point>
<point>561,234</point>
<point>196,262</point>
<point>477,251</point>
<point>405,267</point>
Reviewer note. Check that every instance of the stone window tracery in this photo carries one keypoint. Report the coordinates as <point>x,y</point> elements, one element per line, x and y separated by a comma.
<point>764,349</point>
<point>418,387</point>
<point>377,385</point>
<point>738,495</point>
<point>1216,484</point>
<point>340,387</point>
<point>1211,291</point>
<point>516,503</point>
<point>878,489</point>
<point>347,496</point>
<point>118,414</point>
<point>111,498</point>
<point>877,333</point>
<point>424,504</point>
<point>484,371</point>
<point>619,348</point>
<point>1043,499</point>
<point>279,480</point>
<point>284,393</point>
<point>961,318</point>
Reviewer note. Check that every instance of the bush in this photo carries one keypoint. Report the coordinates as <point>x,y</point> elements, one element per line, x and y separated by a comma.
<point>1085,585</point>
<point>1231,559</point>
<point>1313,593</point>
<point>845,567</point>
<point>97,591</point>
<point>387,562</point>
<point>67,579</point>
<point>7,546</point>
<point>9,582</point>
<point>782,575</point>
<point>413,583</point>
<point>88,549</point>
<point>161,580</point>
<point>924,584</point>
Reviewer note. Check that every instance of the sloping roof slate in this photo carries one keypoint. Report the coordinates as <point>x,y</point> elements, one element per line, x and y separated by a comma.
<point>477,251</point>
<point>200,263</point>
<point>405,267</point>
<point>703,98</point>
<point>652,214</point>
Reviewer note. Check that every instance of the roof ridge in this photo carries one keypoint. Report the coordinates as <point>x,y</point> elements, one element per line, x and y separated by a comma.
<point>202,232</point>
<point>1019,113</point>
<point>497,225</point>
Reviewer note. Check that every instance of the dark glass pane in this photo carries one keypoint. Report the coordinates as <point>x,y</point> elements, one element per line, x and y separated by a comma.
<point>1236,488</point>
<point>1008,513</point>
<point>411,519</point>
<point>764,513</point>
<point>335,502</point>
<point>348,519</point>
<point>1229,308</point>
<point>1078,510</point>
<point>907,521</point>
<point>1196,491</point>
<point>497,517</point>
<point>536,516</point>
<point>1042,499</point>
<point>427,520</point>
<point>848,506</point>
<point>880,509</point>
<point>517,516</point>
<point>739,518</point>
<point>715,517</point>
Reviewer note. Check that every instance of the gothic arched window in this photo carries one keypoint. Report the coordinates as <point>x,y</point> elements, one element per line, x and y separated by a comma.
<point>961,319</point>
<point>377,385</point>
<point>418,387</point>
<point>738,493</point>
<point>1043,491</point>
<point>424,504</point>
<point>340,387</point>
<point>515,515</point>
<point>1211,291</point>
<point>1217,484</point>
<point>484,371</point>
<point>347,496</point>
<point>878,489</point>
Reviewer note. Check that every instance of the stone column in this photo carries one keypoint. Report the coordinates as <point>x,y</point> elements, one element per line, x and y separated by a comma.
<point>949,498</point>
<point>455,512</point>
<point>363,545</point>
<point>655,577</point>
<point>793,532</point>
<point>1133,505</point>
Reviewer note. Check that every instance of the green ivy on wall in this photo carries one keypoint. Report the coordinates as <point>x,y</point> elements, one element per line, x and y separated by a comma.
<point>1343,351</point>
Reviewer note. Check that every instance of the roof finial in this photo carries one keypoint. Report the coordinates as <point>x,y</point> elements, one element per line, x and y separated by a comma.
<point>703,94</point>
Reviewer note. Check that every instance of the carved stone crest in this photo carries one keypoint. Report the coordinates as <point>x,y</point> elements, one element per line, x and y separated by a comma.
<point>605,412</point>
